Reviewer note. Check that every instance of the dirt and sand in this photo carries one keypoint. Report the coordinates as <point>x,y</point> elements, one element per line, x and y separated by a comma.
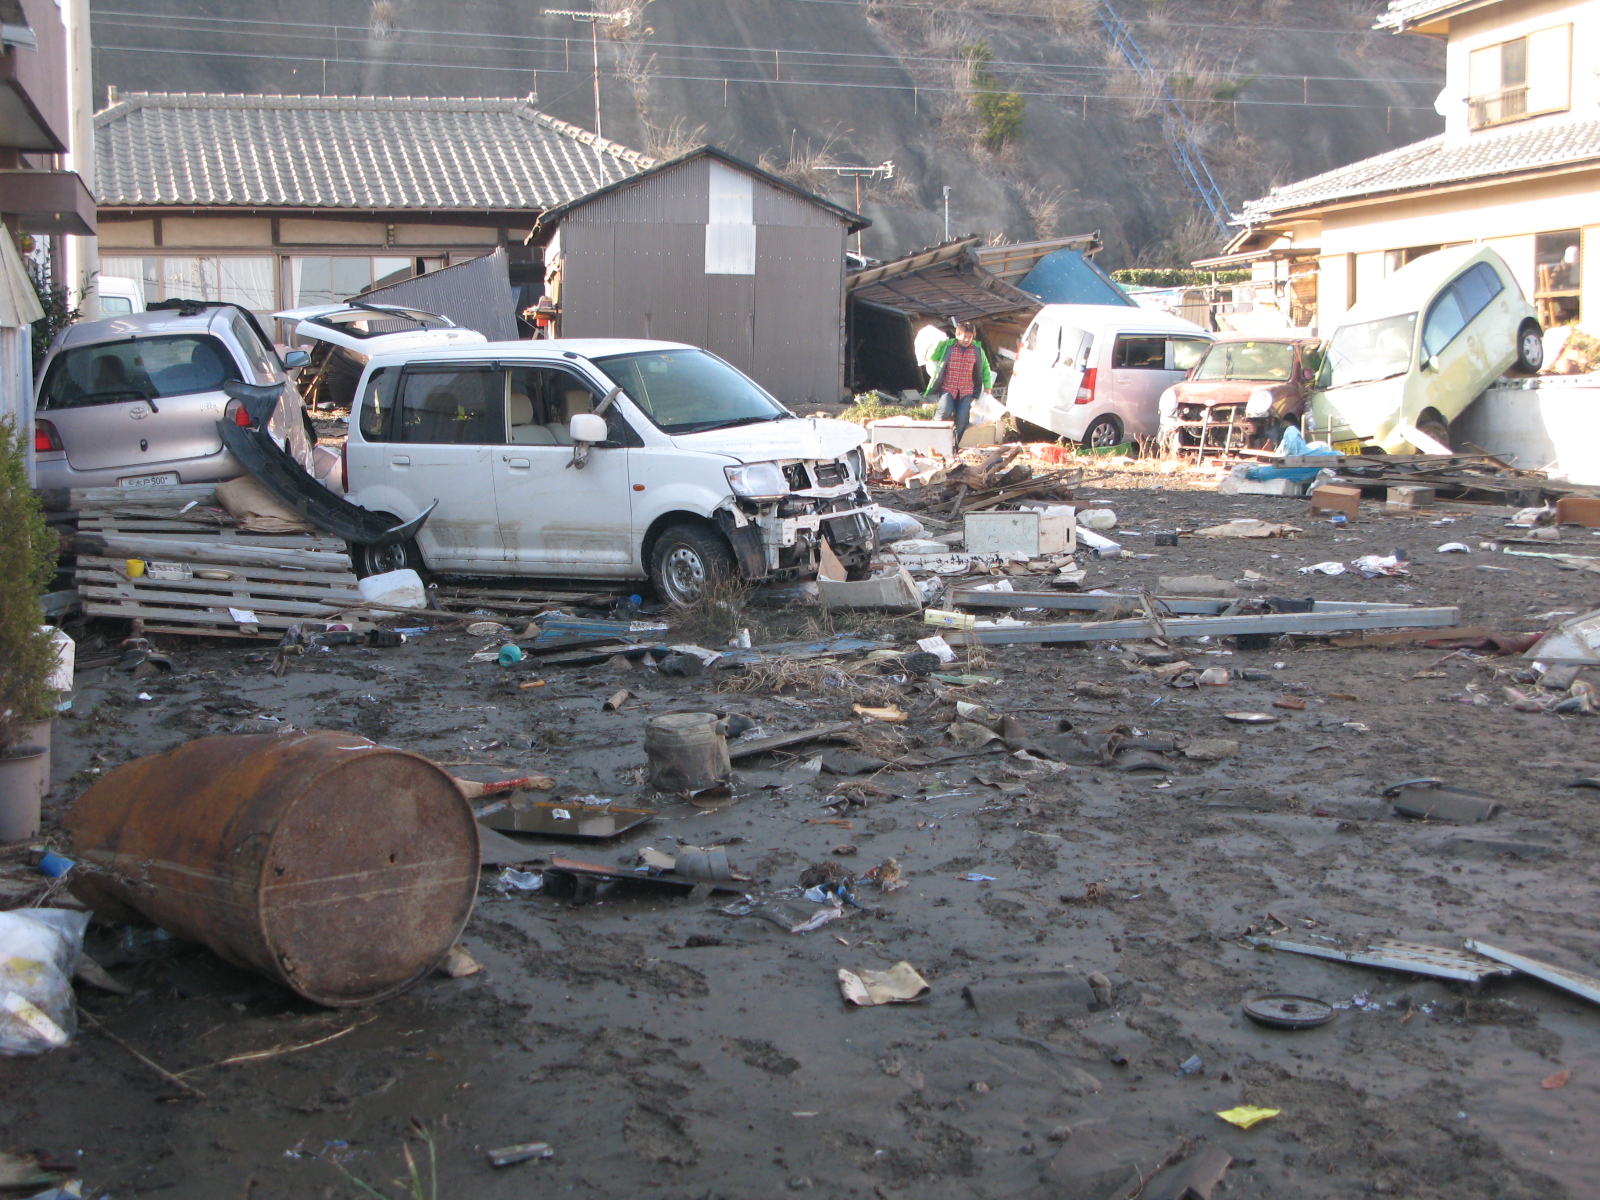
<point>664,1049</point>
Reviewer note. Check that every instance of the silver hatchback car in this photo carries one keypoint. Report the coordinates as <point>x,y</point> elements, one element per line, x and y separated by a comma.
<point>134,401</point>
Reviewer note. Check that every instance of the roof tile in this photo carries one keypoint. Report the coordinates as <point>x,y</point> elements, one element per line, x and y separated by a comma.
<point>357,152</point>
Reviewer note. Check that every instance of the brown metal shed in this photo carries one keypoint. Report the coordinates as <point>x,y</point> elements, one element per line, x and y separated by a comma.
<point>709,250</point>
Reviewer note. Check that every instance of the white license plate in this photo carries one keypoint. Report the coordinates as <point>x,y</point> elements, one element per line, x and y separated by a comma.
<point>139,481</point>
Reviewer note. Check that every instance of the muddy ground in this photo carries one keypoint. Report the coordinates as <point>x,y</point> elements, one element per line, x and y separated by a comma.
<point>664,1049</point>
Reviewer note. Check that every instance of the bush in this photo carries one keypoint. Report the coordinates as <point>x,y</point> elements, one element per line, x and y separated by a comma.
<point>27,563</point>
<point>1177,277</point>
<point>1001,111</point>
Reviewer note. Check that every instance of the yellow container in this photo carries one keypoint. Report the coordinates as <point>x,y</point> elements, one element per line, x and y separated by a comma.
<point>135,568</point>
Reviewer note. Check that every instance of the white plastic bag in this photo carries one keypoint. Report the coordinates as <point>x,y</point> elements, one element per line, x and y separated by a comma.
<point>39,949</point>
<point>986,410</point>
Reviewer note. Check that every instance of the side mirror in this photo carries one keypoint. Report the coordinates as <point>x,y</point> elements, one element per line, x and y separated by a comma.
<point>1431,363</point>
<point>1305,374</point>
<point>587,427</point>
<point>293,360</point>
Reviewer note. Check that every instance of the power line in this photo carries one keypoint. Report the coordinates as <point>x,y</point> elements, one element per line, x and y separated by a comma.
<point>890,61</point>
<point>1029,16</point>
<point>932,89</point>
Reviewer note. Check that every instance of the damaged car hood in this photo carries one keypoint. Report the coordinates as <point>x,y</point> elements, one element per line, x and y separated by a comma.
<point>805,438</point>
<point>1211,392</point>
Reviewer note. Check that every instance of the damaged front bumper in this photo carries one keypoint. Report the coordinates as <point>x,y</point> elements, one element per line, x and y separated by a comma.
<point>783,537</point>
<point>1218,427</point>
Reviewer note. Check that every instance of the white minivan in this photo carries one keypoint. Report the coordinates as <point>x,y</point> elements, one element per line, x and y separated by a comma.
<point>1094,373</point>
<point>600,459</point>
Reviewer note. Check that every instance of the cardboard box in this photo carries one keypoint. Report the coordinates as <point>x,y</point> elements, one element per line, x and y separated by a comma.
<point>1028,531</point>
<point>1332,497</point>
<point>1411,496</point>
<point>918,437</point>
<point>1578,510</point>
<point>983,435</point>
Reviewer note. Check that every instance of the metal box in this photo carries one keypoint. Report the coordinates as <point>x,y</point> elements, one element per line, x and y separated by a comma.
<point>1031,533</point>
<point>919,437</point>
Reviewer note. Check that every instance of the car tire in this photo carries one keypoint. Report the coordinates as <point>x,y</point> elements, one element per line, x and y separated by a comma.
<point>1102,432</point>
<point>1435,427</point>
<point>380,560</point>
<point>685,560</point>
<point>1530,348</point>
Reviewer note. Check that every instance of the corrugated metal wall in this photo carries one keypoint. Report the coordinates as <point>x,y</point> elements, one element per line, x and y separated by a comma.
<point>475,295</point>
<point>634,266</point>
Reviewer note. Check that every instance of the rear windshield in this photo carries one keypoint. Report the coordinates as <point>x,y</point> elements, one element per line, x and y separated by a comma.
<point>137,369</point>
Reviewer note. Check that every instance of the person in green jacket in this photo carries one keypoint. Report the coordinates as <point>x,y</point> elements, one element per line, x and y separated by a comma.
<point>960,371</point>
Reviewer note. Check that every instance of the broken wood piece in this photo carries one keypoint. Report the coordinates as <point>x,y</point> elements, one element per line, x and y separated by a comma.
<point>617,699</point>
<point>1575,982</point>
<point>474,791</point>
<point>1401,637</point>
<point>187,1088</point>
<point>818,733</point>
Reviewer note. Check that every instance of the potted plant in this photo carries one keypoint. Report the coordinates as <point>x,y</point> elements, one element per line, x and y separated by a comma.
<point>28,551</point>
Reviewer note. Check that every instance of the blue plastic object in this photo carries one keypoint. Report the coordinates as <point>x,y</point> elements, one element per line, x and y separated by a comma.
<point>1293,443</point>
<point>54,865</point>
<point>510,653</point>
<point>1067,277</point>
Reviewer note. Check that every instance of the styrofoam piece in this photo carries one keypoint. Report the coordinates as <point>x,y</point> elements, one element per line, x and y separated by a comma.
<point>66,659</point>
<point>1415,957</point>
<point>894,591</point>
<point>393,589</point>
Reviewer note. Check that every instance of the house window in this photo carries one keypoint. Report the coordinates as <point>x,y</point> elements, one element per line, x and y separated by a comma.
<point>1557,274</point>
<point>243,279</point>
<point>1393,260</point>
<point>1520,78</point>
<point>330,280</point>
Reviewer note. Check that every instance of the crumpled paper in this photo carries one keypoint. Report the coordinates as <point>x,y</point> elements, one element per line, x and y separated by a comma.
<point>900,984</point>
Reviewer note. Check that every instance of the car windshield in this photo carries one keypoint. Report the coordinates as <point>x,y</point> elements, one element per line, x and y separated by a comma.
<point>1369,351</point>
<point>1272,361</point>
<point>136,369</point>
<point>364,322</point>
<point>687,391</point>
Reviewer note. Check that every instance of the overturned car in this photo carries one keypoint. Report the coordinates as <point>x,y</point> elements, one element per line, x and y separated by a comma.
<point>1241,395</point>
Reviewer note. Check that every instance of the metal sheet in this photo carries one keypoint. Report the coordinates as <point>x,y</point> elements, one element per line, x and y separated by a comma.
<point>1414,957</point>
<point>566,819</point>
<point>799,307</point>
<point>1184,606</point>
<point>475,295</point>
<point>1180,627</point>
<point>1575,982</point>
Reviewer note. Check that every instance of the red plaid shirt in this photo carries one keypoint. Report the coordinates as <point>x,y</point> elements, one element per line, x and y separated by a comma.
<point>960,364</point>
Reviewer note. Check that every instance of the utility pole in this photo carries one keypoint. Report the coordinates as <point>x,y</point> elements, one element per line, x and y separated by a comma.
<point>884,170</point>
<point>947,213</point>
<point>595,20</point>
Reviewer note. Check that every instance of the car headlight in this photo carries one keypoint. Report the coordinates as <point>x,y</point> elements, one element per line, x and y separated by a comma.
<point>1259,404</point>
<point>757,481</point>
<point>1167,406</point>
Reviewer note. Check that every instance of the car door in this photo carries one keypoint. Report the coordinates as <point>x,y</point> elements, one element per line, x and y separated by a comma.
<point>140,402</point>
<point>447,426</point>
<point>1139,375</point>
<point>555,517</point>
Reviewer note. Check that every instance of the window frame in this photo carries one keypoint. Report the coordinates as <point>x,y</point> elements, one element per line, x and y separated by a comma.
<point>414,370</point>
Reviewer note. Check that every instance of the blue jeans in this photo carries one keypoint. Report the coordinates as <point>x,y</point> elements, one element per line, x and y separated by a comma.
<point>957,409</point>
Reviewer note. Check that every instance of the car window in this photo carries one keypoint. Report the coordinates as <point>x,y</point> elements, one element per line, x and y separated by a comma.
<point>137,369</point>
<point>542,402</point>
<point>377,404</point>
<point>1369,351</point>
<point>1186,352</point>
<point>261,360</point>
<point>1140,352</point>
<point>450,406</point>
<point>1271,362</point>
<point>685,391</point>
<point>115,306</point>
<point>1477,289</point>
<point>1445,319</point>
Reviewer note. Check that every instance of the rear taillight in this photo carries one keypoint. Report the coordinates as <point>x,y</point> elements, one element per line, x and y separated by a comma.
<point>236,413</point>
<point>344,466</point>
<point>1086,387</point>
<point>45,438</point>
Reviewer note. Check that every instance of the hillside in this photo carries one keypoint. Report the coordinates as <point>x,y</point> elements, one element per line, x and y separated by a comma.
<point>1021,107</point>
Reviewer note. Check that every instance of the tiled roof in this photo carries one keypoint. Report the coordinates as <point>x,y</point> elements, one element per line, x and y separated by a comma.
<point>1433,163</point>
<point>354,152</point>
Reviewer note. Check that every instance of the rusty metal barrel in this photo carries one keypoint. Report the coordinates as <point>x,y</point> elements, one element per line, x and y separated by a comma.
<point>340,868</point>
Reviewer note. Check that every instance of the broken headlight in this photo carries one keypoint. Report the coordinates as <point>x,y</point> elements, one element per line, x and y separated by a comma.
<point>1259,404</point>
<point>757,481</point>
<point>1167,406</point>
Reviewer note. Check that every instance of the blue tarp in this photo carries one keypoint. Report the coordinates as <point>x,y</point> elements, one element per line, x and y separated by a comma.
<point>1067,277</point>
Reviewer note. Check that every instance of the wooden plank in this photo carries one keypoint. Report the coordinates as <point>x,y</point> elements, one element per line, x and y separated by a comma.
<point>819,733</point>
<point>205,550</point>
<point>1181,627</point>
<point>1401,637</point>
<point>216,606</point>
<point>177,493</point>
<point>1083,602</point>
<point>286,541</point>
<point>103,583</point>
<point>113,567</point>
<point>131,609</point>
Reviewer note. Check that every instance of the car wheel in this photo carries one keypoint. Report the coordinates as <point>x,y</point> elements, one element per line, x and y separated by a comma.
<point>687,559</point>
<point>1435,428</point>
<point>1105,431</point>
<point>1530,348</point>
<point>380,560</point>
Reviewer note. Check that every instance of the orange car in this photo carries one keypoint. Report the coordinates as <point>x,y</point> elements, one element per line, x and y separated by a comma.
<point>1242,394</point>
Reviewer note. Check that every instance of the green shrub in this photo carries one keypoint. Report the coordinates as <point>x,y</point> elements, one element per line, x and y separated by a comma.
<point>1001,111</point>
<point>1177,277</point>
<point>27,563</point>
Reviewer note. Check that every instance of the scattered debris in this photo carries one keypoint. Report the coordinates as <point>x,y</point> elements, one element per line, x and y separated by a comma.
<point>1575,982</point>
<point>1435,800</point>
<point>1419,959</point>
<point>900,984</point>
<point>506,1156</point>
<point>1289,1012</point>
<point>1246,1116</point>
